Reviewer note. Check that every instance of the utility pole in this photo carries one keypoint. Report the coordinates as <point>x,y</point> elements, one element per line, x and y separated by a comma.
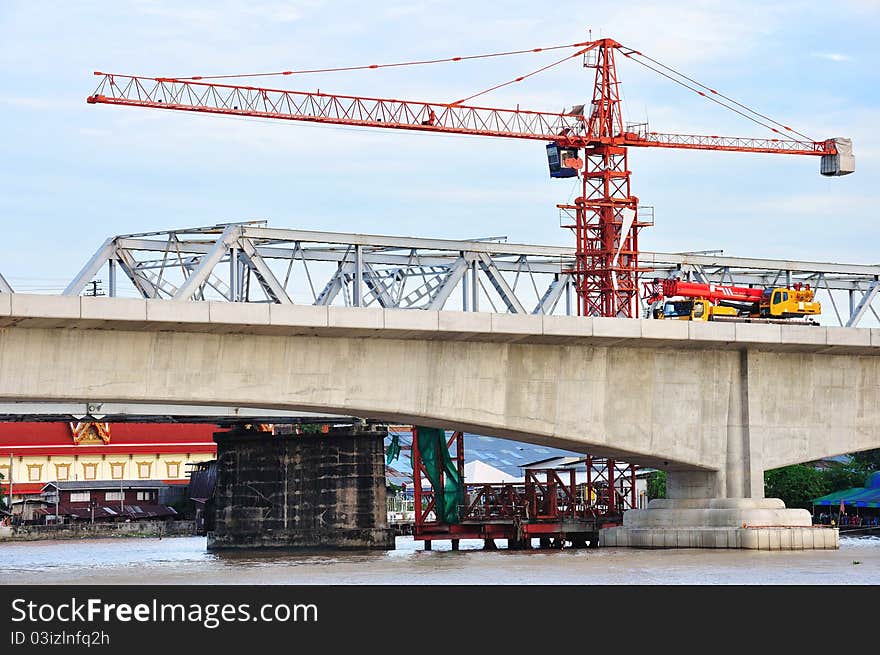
<point>9,497</point>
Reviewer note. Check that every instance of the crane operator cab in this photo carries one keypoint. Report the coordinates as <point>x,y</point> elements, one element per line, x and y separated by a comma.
<point>789,302</point>
<point>558,157</point>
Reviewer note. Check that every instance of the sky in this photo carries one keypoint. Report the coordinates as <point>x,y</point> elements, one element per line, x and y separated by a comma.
<point>73,174</point>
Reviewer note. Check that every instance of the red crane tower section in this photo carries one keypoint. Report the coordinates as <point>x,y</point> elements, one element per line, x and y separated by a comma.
<point>604,218</point>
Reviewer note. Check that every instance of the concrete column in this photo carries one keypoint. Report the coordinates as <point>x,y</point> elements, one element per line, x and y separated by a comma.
<point>737,455</point>
<point>301,491</point>
<point>753,444</point>
<point>741,474</point>
<point>693,484</point>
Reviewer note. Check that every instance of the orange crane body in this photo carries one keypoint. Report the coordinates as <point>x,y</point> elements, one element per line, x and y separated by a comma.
<point>604,218</point>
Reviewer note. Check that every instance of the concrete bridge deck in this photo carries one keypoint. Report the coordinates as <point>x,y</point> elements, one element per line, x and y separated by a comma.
<point>44,311</point>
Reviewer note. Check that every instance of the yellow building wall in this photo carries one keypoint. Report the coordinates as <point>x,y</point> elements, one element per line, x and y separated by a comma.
<point>50,468</point>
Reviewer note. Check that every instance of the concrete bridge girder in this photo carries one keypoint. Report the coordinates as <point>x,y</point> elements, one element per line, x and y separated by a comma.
<point>716,404</point>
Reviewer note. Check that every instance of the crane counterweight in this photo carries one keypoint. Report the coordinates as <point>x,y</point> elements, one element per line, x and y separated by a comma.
<point>841,162</point>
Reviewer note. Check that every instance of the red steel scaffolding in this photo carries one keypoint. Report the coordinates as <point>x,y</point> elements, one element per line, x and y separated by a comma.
<point>549,505</point>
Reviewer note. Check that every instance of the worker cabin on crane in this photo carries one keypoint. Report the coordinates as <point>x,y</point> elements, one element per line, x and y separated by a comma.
<point>560,160</point>
<point>564,160</point>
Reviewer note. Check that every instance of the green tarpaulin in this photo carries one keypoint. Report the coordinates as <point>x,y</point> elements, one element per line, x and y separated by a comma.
<point>448,488</point>
<point>393,450</point>
<point>867,496</point>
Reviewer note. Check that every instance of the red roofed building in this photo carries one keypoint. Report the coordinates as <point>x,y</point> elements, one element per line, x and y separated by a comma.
<point>47,452</point>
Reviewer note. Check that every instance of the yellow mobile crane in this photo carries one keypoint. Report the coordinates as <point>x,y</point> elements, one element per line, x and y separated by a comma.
<point>697,301</point>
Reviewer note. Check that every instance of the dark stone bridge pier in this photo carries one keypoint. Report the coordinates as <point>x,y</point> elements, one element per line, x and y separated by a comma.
<point>301,490</point>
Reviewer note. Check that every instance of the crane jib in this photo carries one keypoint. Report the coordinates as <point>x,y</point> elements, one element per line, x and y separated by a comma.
<point>567,130</point>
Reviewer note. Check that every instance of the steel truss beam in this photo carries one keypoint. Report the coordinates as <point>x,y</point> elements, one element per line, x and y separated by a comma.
<point>249,262</point>
<point>864,304</point>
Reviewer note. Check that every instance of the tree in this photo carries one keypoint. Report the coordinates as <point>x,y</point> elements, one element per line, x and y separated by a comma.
<point>868,461</point>
<point>657,485</point>
<point>839,476</point>
<point>796,485</point>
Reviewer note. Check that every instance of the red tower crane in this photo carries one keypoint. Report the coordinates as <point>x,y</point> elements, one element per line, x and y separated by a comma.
<point>604,218</point>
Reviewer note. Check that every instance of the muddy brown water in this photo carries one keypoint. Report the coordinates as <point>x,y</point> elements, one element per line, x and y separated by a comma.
<point>185,560</point>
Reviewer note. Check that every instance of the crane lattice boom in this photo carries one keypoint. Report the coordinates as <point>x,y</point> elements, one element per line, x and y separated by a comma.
<point>569,130</point>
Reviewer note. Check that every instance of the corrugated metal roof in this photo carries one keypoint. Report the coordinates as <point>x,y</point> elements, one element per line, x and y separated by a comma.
<point>110,511</point>
<point>101,485</point>
<point>504,454</point>
<point>202,480</point>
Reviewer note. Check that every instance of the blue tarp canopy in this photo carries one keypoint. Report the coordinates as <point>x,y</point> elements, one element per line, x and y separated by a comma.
<point>867,496</point>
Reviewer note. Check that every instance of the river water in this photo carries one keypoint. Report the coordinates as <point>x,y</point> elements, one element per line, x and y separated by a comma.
<point>184,560</point>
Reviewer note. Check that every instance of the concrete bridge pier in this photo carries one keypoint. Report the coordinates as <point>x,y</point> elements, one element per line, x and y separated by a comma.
<point>324,490</point>
<point>724,508</point>
<point>705,521</point>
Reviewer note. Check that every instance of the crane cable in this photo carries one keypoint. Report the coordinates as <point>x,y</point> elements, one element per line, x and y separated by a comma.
<point>520,78</point>
<point>632,54</point>
<point>376,66</point>
<point>718,93</point>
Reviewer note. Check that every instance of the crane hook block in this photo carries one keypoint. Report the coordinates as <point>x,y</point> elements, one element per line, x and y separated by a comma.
<point>843,162</point>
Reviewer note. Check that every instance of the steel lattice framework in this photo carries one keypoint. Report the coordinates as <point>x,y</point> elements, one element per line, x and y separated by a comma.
<point>604,219</point>
<point>250,262</point>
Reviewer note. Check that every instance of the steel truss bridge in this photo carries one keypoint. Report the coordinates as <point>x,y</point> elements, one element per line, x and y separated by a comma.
<point>251,262</point>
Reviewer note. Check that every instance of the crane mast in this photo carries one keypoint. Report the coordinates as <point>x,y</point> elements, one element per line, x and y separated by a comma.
<point>604,218</point>
<point>605,225</point>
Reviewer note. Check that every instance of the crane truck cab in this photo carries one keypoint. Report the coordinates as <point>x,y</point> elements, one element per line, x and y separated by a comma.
<point>795,302</point>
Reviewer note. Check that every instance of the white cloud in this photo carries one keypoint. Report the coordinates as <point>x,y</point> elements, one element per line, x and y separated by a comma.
<point>831,56</point>
<point>227,13</point>
<point>29,103</point>
<point>94,132</point>
<point>849,209</point>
